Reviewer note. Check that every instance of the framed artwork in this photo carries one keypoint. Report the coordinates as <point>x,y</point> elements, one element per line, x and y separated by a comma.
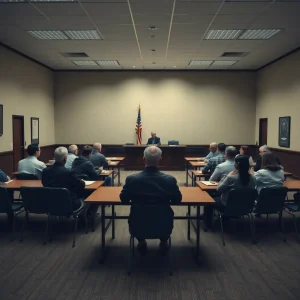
<point>284,131</point>
<point>35,130</point>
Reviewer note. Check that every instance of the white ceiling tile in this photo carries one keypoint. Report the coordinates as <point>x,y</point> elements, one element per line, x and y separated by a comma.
<point>243,8</point>
<point>60,9</point>
<point>197,8</point>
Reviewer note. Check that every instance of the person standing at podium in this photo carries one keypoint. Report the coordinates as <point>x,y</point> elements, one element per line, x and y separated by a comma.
<point>154,140</point>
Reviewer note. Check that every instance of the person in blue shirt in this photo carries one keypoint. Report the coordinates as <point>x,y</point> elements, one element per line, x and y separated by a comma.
<point>3,177</point>
<point>213,147</point>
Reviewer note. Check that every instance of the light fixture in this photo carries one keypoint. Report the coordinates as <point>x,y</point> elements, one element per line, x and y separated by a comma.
<point>152,28</point>
<point>133,66</point>
<point>48,34</point>
<point>108,63</point>
<point>174,66</point>
<point>223,63</point>
<point>84,62</point>
<point>258,34</point>
<point>203,63</point>
<point>223,34</point>
<point>83,34</point>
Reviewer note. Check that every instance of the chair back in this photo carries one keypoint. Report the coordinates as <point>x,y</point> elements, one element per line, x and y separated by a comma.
<point>59,201</point>
<point>173,143</point>
<point>240,202</point>
<point>34,199</point>
<point>151,221</point>
<point>271,200</point>
<point>129,144</point>
<point>5,201</point>
<point>26,176</point>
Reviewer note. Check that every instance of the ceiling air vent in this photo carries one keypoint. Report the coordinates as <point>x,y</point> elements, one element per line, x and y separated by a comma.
<point>234,54</point>
<point>74,54</point>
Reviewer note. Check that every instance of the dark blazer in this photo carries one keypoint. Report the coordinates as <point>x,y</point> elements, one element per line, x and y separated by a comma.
<point>258,163</point>
<point>83,166</point>
<point>156,141</point>
<point>151,187</point>
<point>58,176</point>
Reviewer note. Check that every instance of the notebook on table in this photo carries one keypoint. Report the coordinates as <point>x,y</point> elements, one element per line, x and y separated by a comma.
<point>87,182</point>
<point>209,182</point>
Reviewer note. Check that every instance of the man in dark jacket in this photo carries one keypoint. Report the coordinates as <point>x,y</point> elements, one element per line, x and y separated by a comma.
<point>83,166</point>
<point>150,187</point>
<point>58,176</point>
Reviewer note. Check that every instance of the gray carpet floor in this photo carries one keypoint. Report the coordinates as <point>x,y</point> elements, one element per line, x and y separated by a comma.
<point>240,270</point>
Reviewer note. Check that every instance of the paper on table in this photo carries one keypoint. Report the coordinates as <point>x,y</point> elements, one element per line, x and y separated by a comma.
<point>112,163</point>
<point>88,182</point>
<point>7,181</point>
<point>104,172</point>
<point>209,182</point>
<point>111,158</point>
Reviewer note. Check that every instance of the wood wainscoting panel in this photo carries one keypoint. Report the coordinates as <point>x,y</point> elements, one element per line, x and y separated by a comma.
<point>7,162</point>
<point>47,152</point>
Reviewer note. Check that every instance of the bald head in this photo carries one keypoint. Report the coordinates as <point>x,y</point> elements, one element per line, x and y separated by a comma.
<point>213,147</point>
<point>97,147</point>
<point>73,149</point>
<point>152,156</point>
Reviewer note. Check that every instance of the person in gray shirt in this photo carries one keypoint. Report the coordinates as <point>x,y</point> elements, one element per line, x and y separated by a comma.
<point>72,154</point>
<point>97,158</point>
<point>31,164</point>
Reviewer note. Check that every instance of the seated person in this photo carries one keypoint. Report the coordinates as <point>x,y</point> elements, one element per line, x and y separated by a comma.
<point>3,177</point>
<point>239,178</point>
<point>83,166</point>
<point>151,186</point>
<point>226,167</point>
<point>244,150</point>
<point>214,161</point>
<point>271,173</point>
<point>263,149</point>
<point>154,140</point>
<point>59,176</point>
<point>72,154</point>
<point>213,147</point>
<point>31,164</point>
<point>97,158</point>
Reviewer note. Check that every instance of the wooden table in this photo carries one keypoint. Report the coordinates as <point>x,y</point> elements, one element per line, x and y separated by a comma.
<point>16,184</point>
<point>198,174</point>
<point>172,157</point>
<point>118,158</point>
<point>113,165</point>
<point>195,165</point>
<point>192,196</point>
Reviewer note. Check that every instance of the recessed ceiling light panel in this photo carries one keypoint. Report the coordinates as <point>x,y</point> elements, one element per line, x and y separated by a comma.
<point>200,63</point>
<point>108,63</point>
<point>84,62</point>
<point>83,34</point>
<point>223,63</point>
<point>222,34</point>
<point>258,34</point>
<point>48,34</point>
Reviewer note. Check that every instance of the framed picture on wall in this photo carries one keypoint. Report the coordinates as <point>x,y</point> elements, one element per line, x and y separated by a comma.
<point>284,131</point>
<point>35,130</point>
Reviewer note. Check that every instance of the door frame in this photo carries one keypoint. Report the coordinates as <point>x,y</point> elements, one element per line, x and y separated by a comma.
<point>22,137</point>
<point>260,130</point>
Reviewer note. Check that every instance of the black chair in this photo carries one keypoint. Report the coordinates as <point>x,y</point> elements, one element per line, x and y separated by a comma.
<point>60,205</point>
<point>9,208</point>
<point>150,222</point>
<point>239,203</point>
<point>271,201</point>
<point>26,176</point>
<point>293,207</point>
<point>173,143</point>
<point>35,202</point>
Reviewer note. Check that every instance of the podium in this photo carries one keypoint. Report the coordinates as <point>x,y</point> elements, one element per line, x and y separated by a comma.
<point>172,157</point>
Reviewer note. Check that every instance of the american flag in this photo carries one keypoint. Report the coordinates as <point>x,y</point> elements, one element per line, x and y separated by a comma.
<point>138,127</point>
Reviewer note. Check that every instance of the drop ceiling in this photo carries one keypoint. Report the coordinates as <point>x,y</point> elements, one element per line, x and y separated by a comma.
<point>179,37</point>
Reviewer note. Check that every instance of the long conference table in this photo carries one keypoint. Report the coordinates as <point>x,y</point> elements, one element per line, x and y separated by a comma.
<point>191,197</point>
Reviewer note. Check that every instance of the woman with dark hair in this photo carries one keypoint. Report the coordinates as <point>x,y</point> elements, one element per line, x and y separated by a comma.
<point>237,179</point>
<point>271,173</point>
<point>244,150</point>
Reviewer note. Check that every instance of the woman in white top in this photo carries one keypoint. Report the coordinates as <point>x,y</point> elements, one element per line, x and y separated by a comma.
<point>271,174</point>
<point>244,150</point>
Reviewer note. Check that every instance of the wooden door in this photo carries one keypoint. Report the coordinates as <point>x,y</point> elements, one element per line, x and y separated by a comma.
<point>18,140</point>
<point>263,131</point>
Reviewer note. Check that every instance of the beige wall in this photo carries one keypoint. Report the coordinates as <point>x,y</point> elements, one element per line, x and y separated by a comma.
<point>195,107</point>
<point>278,95</point>
<point>26,89</point>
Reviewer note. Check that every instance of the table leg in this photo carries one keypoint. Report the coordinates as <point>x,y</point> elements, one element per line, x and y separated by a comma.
<point>103,248</point>
<point>198,235</point>
<point>189,223</point>
<point>193,179</point>
<point>119,183</point>
<point>186,175</point>
<point>113,222</point>
<point>113,178</point>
